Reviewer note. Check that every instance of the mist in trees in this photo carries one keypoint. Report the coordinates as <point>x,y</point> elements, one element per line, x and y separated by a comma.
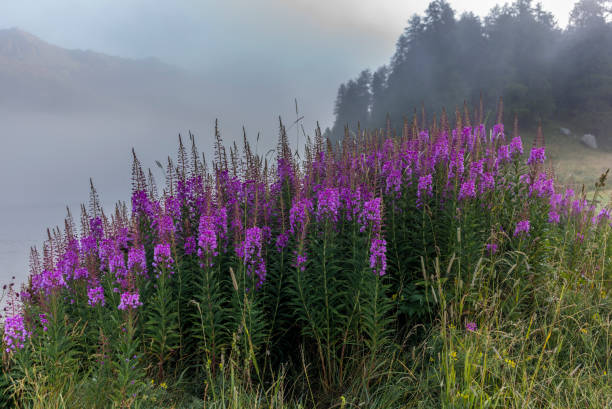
<point>517,51</point>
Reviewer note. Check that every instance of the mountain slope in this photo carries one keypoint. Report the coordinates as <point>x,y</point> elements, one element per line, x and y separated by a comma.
<point>36,75</point>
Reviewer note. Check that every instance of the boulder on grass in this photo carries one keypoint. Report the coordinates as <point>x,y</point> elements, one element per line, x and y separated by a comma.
<point>589,140</point>
<point>565,131</point>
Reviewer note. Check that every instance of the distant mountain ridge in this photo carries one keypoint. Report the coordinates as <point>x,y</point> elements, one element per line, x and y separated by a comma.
<point>36,75</point>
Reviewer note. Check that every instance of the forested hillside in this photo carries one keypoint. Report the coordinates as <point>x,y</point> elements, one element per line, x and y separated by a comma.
<point>518,52</point>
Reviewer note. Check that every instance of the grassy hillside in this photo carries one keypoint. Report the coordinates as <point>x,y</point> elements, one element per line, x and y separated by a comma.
<point>442,268</point>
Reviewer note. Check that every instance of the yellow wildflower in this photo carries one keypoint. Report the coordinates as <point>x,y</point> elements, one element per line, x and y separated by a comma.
<point>163,385</point>
<point>510,363</point>
<point>583,330</point>
<point>453,355</point>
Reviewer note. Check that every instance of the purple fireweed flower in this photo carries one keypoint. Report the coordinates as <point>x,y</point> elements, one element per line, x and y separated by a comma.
<point>371,215</point>
<point>378,256</point>
<point>393,173</point>
<point>522,227</point>
<point>516,147</point>
<point>281,241</point>
<point>137,262</point>
<point>498,131</point>
<point>79,273</point>
<point>190,245</point>
<point>467,190</point>
<point>129,300</point>
<point>141,205</point>
<point>555,200</point>
<point>48,281</point>
<point>162,258</point>
<point>172,205</point>
<point>603,214</point>
<point>491,248</point>
<point>487,182</point>
<point>96,296</point>
<point>537,155</point>
<point>300,261</point>
<point>503,154</point>
<point>476,168</point>
<point>579,205</point>
<point>165,225</point>
<point>553,217</point>
<point>97,230</point>
<point>456,165</point>
<point>88,245</point>
<point>542,186</point>
<point>250,252</point>
<point>207,237</point>
<point>221,222</point>
<point>471,326</point>
<point>298,214</point>
<point>425,185</point>
<point>15,333</point>
<point>328,203</point>
<point>43,321</point>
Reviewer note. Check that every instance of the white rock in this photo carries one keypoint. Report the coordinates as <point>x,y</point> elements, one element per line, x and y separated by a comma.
<point>565,131</point>
<point>589,140</point>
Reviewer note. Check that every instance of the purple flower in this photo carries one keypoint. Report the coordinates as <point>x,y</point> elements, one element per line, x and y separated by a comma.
<point>250,252</point>
<point>15,333</point>
<point>141,206</point>
<point>207,237</point>
<point>553,217</point>
<point>378,256</point>
<point>129,300</point>
<point>298,214</point>
<point>281,241</point>
<point>537,155</point>
<point>471,326</point>
<point>137,262</point>
<point>300,261</point>
<point>97,230</point>
<point>543,186</point>
<point>522,227</point>
<point>162,258</point>
<point>498,131</point>
<point>467,190</point>
<point>328,203</point>
<point>96,296</point>
<point>189,246</point>
<point>503,154</point>
<point>43,321</point>
<point>371,215</point>
<point>516,147</point>
<point>491,248</point>
<point>425,185</point>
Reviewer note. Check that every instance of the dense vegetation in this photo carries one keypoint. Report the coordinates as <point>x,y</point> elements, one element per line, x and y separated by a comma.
<point>438,268</point>
<point>517,52</point>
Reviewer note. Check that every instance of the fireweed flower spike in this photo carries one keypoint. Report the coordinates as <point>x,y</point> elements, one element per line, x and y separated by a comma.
<point>15,333</point>
<point>537,156</point>
<point>96,296</point>
<point>162,257</point>
<point>129,300</point>
<point>378,257</point>
<point>522,227</point>
<point>250,252</point>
